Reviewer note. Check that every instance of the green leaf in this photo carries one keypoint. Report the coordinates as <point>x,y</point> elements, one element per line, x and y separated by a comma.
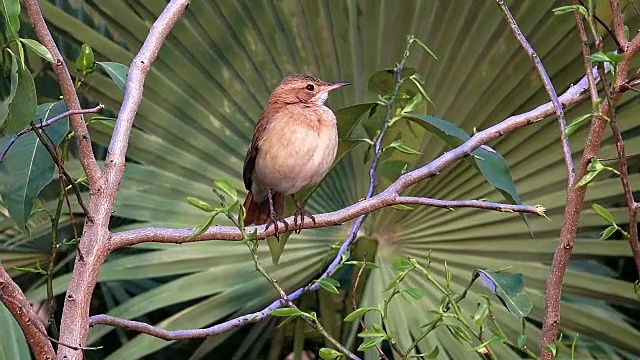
<point>85,62</point>
<point>636,288</point>
<point>28,168</point>
<point>401,207</point>
<point>375,332</point>
<point>608,232</point>
<point>599,57</point>
<point>349,117</point>
<point>522,340</point>
<point>357,313</point>
<point>492,165</point>
<point>117,72</point>
<point>425,48</point>
<point>509,288</point>
<point>569,8</point>
<point>226,188</point>
<point>447,275</point>
<point>200,229</point>
<point>370,343</point>
<point>604,213</point>
<point>433,353</point>
<point>459,333</point>
<point>383,81</point>
<point>328,284</point>
<point>412,293</point>
<point>38,48</point>
<point>11,12</point>
<point>22,109</point>
<point>367,265</point>
<point>330,354</point>
<point>401,264</point>
<point>587,178</point>
<point>10,83</point>
<point>286,312</point>
<point>576,124</point>
<point>13,344</point>
<point>400,146</point>
<point>553,348</point>
<point>481,314</point>
<point>202,205</point>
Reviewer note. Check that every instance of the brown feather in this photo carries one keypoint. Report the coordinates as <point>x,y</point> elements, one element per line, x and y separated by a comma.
<point>258,214</point>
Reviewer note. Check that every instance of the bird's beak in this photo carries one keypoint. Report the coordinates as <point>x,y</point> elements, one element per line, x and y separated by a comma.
<point>337,85</point>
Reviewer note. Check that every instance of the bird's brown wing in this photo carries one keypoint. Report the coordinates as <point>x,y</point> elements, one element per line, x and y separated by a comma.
<point>252,152</point>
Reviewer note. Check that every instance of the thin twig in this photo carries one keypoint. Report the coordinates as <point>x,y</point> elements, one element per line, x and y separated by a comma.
<point>45,124</point>
<point>355,305</point>
<point>548,85</point>
<point>628,192</point>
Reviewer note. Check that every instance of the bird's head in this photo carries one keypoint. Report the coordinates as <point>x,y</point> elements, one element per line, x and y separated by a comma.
<point>303,89</point>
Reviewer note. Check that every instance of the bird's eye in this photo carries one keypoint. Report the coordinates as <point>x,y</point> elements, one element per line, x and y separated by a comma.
<point>310,87</point>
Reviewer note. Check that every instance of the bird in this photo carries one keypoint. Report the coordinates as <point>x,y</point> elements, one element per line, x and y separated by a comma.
<point>293,146</point>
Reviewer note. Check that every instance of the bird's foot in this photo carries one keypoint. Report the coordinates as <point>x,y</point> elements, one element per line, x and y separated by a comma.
<point>302,213</point>
<point>274,219</point>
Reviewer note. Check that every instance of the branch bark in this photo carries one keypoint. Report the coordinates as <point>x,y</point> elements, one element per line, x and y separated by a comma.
<point>574,201</point>
<point>94,244</point>
<point>33,329</point>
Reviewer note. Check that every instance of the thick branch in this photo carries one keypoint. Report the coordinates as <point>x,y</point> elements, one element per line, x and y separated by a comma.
<point>87,158</point>
<point>548,85</point>
<point>34,331</point>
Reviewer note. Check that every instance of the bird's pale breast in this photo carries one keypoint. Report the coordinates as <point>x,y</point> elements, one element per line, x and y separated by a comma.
<point>296,151</point>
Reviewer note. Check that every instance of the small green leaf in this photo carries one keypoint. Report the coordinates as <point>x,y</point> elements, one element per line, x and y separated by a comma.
<point>459,333</point>
<point>397,280</point>
<point>413,103</point>
<point>202,205</point>
<point>330,354</point>
<point>9,82</point>
<point>85,62</point>
<point>576,124</point>
<point>553,348</point>
<point>226,188</point>
<point>11,12</point>
<point>599,57</point>
<point>401,207</point>
<point>357,313</point>
<point>400,146</point>
<point>447,275</point>
<point>587,178</point>
<point>636,288</point>
<point>401,264</point>
<point>433,353</point>
<point>569,8</point>
<point>608,232</point>
<point>328,284</point>
<point>117,72</point>
<point>286,312</point>
<point>481,314</point>
<point>522,340</point>
<point>200,229</point>
<point>413,293</point>
<point>38,48</point>
<point>604,213</point>
<point>367,265</point>
<point>370,343</point>
<point>22,109</point>
<point>614,57</point>
<point>349,117</point>
<point>509,289</point>
<point>425,48</point>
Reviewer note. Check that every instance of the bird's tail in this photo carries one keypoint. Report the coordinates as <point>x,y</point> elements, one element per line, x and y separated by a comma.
<point>258,213</point>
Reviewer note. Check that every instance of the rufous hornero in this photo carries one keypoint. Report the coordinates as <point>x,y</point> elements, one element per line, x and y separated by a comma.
<point>293,146</point>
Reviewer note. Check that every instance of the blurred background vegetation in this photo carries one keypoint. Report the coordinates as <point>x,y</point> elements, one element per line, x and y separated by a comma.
<point>201,101</point>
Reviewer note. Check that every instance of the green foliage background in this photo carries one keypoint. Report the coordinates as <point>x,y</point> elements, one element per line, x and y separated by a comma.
<point>207,89</point>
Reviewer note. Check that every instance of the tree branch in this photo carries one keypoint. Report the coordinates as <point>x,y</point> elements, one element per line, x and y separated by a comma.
<point>34,331</point>
<point>575,199</point>
<point>548,85</point>
<point>87,157</point>
<point>45,124</point>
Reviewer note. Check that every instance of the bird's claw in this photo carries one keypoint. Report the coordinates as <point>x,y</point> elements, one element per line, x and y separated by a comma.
<point>273,220</point>
<point>302,213</point>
